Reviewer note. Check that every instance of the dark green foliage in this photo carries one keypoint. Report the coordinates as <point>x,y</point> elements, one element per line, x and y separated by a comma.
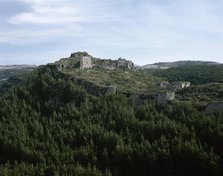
<point>19,72</point>
<point>51,126</point>
<point>187,63</point>
<point>202,93</point>
<point>199,74</point>
<point>12,76</point>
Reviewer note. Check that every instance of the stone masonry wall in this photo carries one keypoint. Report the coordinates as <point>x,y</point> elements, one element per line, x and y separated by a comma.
<point>85,62</point>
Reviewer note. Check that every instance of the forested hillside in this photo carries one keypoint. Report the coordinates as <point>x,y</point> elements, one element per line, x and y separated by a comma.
<point>200,74</point>
<point>10,75</point>
<point>177,64</point>
<point>50,125</point>
<point>202,93</point>
<point>16,70</point>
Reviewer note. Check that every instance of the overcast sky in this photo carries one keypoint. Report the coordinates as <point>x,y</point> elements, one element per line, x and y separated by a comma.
<point>145,31</point>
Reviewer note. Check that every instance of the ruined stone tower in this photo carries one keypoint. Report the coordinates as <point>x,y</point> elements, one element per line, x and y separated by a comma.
<point>85,62</point>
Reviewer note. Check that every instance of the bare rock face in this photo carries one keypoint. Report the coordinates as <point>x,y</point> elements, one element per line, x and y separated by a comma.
<point>180,85</point>
<point>187,84</point>
<point>164,97</point>
<point>175,86</point>
<point>85,62</point>
<point>214,107</point>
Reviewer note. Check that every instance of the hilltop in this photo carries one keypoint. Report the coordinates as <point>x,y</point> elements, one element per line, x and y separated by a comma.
<point>104,73</point>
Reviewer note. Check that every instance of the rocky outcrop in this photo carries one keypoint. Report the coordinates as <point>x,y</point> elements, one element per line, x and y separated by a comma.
<point>174,86</point>
<point>164,97</point>
<point>214,107</point>
<point>180,85</point>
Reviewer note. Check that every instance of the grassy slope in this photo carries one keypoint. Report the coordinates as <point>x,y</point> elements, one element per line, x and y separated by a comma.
<point>126,81</point>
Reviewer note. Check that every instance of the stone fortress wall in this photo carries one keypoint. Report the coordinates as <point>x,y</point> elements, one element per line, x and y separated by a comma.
<point>85,62</point>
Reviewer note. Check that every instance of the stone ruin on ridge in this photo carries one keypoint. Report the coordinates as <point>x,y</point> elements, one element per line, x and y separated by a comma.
<point>85,62</point>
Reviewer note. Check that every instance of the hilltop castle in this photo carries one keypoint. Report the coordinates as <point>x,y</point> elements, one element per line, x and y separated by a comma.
<point>82,60</point>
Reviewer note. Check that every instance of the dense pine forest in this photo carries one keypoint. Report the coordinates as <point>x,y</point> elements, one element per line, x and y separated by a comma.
<point>196,74</point>
<point>52,126</point>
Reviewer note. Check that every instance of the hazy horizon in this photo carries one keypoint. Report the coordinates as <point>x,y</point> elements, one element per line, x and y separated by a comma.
<point>112,59</point>
<point>144,31</point>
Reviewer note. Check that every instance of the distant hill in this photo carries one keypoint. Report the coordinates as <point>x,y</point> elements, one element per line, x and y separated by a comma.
<point>12,74</point>
<point>165,65</point>
<point>196,74</point>
<point>8,71</point>
<point>17,67</point>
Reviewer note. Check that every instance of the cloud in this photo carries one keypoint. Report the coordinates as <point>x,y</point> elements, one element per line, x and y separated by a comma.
<point>54,12</point>
<point>28,35</point>
<point>140,29</point>
<point>50,15</point>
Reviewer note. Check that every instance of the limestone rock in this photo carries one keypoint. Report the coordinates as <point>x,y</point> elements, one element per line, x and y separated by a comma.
<point>180,85</point>
<point>175,86</point>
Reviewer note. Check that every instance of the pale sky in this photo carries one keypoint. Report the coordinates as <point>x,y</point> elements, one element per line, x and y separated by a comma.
<point>144,31</point>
